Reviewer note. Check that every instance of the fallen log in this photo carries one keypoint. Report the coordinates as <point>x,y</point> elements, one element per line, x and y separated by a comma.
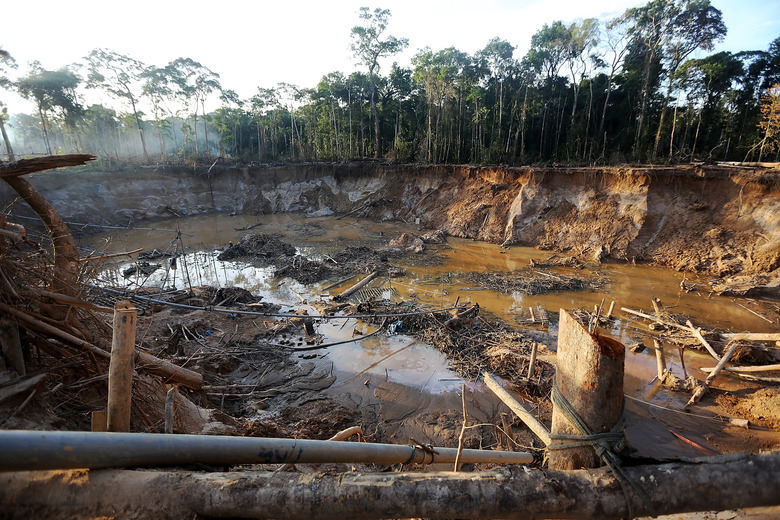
<point>757,368</point>
<point>701,390</point>
<point>524,415</point>
<point>362,283</point>
<point>655,319</point>
<point>172,373</point>
<point>714,484</point>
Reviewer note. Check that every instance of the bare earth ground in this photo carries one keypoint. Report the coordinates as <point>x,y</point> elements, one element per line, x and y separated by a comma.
<point>254,388</point>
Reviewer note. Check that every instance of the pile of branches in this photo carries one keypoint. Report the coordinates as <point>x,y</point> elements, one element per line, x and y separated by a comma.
<point>530,281</point>
<point>472,346</point>
<point>57,343</point>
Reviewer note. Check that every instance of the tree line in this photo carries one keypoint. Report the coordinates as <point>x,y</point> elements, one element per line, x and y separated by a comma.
<point>589,91</point>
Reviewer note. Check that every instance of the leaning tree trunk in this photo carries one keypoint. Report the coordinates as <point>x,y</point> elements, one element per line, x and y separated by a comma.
<point>66,257</point>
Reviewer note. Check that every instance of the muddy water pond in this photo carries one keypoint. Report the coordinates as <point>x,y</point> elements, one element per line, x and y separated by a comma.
<point>441,276</point>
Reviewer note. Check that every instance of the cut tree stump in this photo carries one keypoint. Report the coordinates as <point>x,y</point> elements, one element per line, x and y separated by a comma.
<point>589,374</point>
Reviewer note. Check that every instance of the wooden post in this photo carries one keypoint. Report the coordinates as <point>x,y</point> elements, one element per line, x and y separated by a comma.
<point>532,361</point>
<point>659,309</point>
<point>611,308</point>
<point>120,368</point>
<point>660,360</point>
<point>590,376</point>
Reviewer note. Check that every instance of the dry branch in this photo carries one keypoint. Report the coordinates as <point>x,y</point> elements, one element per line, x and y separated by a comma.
<point>143,360</point>
<point>532,422</point>
<point>37,164</point>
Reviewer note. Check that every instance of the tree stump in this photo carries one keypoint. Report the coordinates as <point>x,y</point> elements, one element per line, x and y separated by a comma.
<point>590,376</point>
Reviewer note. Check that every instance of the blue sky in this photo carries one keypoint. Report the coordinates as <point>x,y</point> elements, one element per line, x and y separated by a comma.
<point>260,43</point>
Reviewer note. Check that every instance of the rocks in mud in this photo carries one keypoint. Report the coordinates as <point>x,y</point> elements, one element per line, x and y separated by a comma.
<point>259,245</point>
<point>435,237</point>
<point>408,243</point>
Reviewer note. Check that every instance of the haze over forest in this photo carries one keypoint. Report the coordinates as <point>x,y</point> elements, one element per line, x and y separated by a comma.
<point>643,86</point>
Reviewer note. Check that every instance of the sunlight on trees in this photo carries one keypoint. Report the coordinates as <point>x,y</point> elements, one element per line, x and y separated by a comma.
<point>587,91</point>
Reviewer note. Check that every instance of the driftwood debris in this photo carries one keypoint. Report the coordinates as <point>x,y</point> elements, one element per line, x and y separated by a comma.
<point>38,164</point>
<point>362,283</point>
<point>730,481</point>
<point>143,360</point>
<point>702,389</point>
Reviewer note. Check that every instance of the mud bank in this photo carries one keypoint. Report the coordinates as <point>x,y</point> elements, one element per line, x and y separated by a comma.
<point>721,220</point>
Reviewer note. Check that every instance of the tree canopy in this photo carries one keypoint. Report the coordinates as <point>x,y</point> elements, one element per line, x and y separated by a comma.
<point>638,87</point>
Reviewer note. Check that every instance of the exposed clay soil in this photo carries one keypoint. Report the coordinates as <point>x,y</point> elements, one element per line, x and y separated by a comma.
<point>713,219</point>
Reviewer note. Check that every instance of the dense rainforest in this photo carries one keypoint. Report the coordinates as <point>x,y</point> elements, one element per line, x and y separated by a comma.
<point>587,92</point>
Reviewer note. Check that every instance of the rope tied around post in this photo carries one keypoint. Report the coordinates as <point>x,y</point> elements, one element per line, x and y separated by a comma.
<point>606,445</point>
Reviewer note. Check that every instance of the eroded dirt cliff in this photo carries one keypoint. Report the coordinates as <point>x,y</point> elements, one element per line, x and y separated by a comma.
<point>716,219</point>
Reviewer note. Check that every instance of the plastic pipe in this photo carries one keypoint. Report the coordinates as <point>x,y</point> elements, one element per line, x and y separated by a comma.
<point>41,450</point>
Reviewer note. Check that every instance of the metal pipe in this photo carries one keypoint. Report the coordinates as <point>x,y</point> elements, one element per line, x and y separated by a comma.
<point>42,450</point>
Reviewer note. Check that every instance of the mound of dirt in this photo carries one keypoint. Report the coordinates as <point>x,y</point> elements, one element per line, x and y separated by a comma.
<point>761,407</point>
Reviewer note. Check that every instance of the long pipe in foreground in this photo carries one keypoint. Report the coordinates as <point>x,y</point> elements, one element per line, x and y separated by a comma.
<point>40,450</point>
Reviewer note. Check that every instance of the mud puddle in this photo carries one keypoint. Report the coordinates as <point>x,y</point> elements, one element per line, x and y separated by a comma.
<point>391,371</point>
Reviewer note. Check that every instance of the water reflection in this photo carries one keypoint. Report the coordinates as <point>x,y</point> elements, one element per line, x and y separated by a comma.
<point>197,240</point>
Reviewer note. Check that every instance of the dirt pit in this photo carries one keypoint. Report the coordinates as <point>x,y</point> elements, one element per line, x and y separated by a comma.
<point>270,366</point>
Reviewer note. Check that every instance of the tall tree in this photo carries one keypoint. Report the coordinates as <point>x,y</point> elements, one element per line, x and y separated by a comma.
<point>368,46</point>
<point>770,122</point>
<point>6,62</point>
<point>651,27</point>
<point>195,83</point>
<point>158,87</point>
<point>548,52</point>
<point>617,42</point>
<point>697,26</point>
<point>498,58</point>
<point>119,76</point>
<point>584,36</point>
<point>50,90</point>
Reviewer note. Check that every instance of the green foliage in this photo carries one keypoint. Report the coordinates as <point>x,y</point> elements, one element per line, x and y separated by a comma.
<point>585,92</point>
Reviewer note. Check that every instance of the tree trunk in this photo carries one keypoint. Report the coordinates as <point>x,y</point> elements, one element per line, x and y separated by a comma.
<point>205,130</point>
<point>140,129</point>
<point>66,256</point>
<point>714,484</point>
<point>7,141</point>
<point>375,112</point>
<point>45,130</point>
<point>663,116</point>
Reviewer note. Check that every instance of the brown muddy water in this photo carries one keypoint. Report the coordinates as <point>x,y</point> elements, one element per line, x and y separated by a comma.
<point>402,360</point>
